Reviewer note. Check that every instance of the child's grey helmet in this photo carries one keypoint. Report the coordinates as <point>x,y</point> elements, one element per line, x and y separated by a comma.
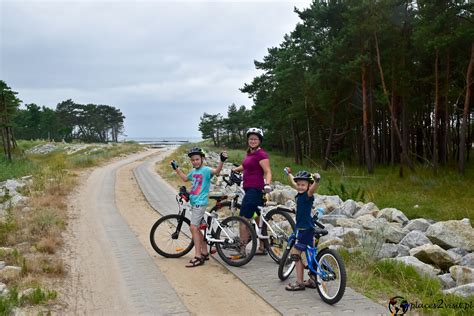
<point>196,151</point>
<point>255,131</point>
<point>304,175</point>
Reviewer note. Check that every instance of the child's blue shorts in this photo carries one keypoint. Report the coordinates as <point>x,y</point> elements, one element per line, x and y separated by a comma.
<point>253,198</point>
<point>304,237</point>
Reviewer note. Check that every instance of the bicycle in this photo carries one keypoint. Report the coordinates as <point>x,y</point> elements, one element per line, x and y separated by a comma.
<point>275,225</point>
<point>326,267</point>
<point>170,235</point>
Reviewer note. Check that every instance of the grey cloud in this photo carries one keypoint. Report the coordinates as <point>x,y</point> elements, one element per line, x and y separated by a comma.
<point>159,56</point>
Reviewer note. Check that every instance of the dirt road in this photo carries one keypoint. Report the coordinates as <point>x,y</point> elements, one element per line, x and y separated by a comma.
<point>113,270</point>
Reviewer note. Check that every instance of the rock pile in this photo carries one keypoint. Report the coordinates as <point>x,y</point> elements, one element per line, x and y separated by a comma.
<point>443,250</point>
<point>9,195</point>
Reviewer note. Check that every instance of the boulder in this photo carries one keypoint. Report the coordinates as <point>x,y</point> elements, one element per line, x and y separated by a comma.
<point>347,222</point>
<point>393,250</point>
<point>465,290</point>
<point>455,256</point>
<point>392,234</point>
<point>388,251</point>
<point>282,196</point>
<point>452,234</point>
<point>393,215</point>
<point>348,208</point>
<point>323,243</point>
<point>414,239</point>
<point>331,219</point>
<point>373,223</point>
<point>420,224</point>
<point>399,217</point>
<point>403,251</point>
<point>369,208</point>
<point>10,273</point>
<point>460,251</point>
<point>433,254</point>
<point>386,213</point>
<point>467,260</point>
<point>447,281</point>
<point>420,267</point>
<point>462,275</point>
<point>349,236</point>
<point>329,202</point>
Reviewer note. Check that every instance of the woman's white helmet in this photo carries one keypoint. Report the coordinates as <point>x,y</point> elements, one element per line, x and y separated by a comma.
<point>255,131</point>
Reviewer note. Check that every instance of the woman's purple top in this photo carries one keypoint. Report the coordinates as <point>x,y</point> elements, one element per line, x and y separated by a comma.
<point>253,172</point>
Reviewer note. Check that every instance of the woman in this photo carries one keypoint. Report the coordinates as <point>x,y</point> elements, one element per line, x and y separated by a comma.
<point>257,178</point>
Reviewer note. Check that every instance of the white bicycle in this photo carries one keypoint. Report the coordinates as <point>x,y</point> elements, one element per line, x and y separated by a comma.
<point>275,225</point>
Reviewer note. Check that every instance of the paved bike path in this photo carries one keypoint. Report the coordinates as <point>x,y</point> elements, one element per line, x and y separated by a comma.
<point>150,292</point>
<point>261,273</point>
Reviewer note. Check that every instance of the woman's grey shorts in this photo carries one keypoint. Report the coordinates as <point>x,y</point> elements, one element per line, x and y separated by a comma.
<point>197,214</point>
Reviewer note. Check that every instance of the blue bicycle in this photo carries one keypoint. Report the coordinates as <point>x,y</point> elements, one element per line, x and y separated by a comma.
<point>326,267</point>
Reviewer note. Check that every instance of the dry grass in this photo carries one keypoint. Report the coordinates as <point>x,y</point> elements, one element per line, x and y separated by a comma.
<point>35,231</point>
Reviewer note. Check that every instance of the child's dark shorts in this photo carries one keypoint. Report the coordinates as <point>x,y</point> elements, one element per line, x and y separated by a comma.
<point>253,198</point>
<point>304,237</point>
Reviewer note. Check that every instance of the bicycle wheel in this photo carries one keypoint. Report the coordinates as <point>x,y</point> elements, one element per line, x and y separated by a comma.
<point>234,250</point>
<point>332,285</point>
<point>281,225</point>
<point>170,236</point>
<point>286,265</point>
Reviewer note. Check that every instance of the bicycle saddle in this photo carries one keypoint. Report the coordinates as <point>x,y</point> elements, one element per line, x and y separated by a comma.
<point>320,232</point>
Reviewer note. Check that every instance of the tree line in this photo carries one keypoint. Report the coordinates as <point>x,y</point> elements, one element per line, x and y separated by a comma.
<point>373,82</point>
<point>69,121</point>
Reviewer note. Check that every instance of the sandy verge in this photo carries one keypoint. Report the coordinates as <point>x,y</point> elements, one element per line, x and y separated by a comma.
<point>205,290</point>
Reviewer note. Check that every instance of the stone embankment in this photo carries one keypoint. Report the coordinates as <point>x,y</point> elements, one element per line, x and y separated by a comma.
<point>443,250</point>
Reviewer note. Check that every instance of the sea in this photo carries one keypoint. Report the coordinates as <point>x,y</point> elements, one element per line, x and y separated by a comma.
<point>162,141</point>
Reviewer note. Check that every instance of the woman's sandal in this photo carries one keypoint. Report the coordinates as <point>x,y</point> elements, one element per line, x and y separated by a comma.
<point>295,287</point>
<point>196,261</point>
<point>205,257</point>
<point>310,284</point>
<point>261,252</point>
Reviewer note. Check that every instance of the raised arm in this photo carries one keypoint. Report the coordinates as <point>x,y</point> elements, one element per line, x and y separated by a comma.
<point>223,157</point>
<point>287,171</point>
<point>180,173</point>
<point>313,187</point>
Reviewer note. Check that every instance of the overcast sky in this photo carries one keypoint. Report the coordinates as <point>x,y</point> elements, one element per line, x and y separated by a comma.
<point>163,63</point>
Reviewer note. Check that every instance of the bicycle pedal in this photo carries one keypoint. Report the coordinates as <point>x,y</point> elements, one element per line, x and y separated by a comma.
<point>213,251</point>
<point>202,226</point>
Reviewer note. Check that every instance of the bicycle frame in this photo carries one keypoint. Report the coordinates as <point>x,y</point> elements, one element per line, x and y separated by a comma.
<point>240,194</point>
<point>311,254</point>
<point>213,225</point>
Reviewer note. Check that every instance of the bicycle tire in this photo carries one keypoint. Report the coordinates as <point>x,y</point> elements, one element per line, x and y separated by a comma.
<point>286,266</point>
<point>339,272</point>
<point>276,245</point>
<point>236,260</point>
<point>166,226</point>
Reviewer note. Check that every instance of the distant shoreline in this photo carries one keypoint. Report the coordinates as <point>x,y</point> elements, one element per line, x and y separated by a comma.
<point>157,141</point>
